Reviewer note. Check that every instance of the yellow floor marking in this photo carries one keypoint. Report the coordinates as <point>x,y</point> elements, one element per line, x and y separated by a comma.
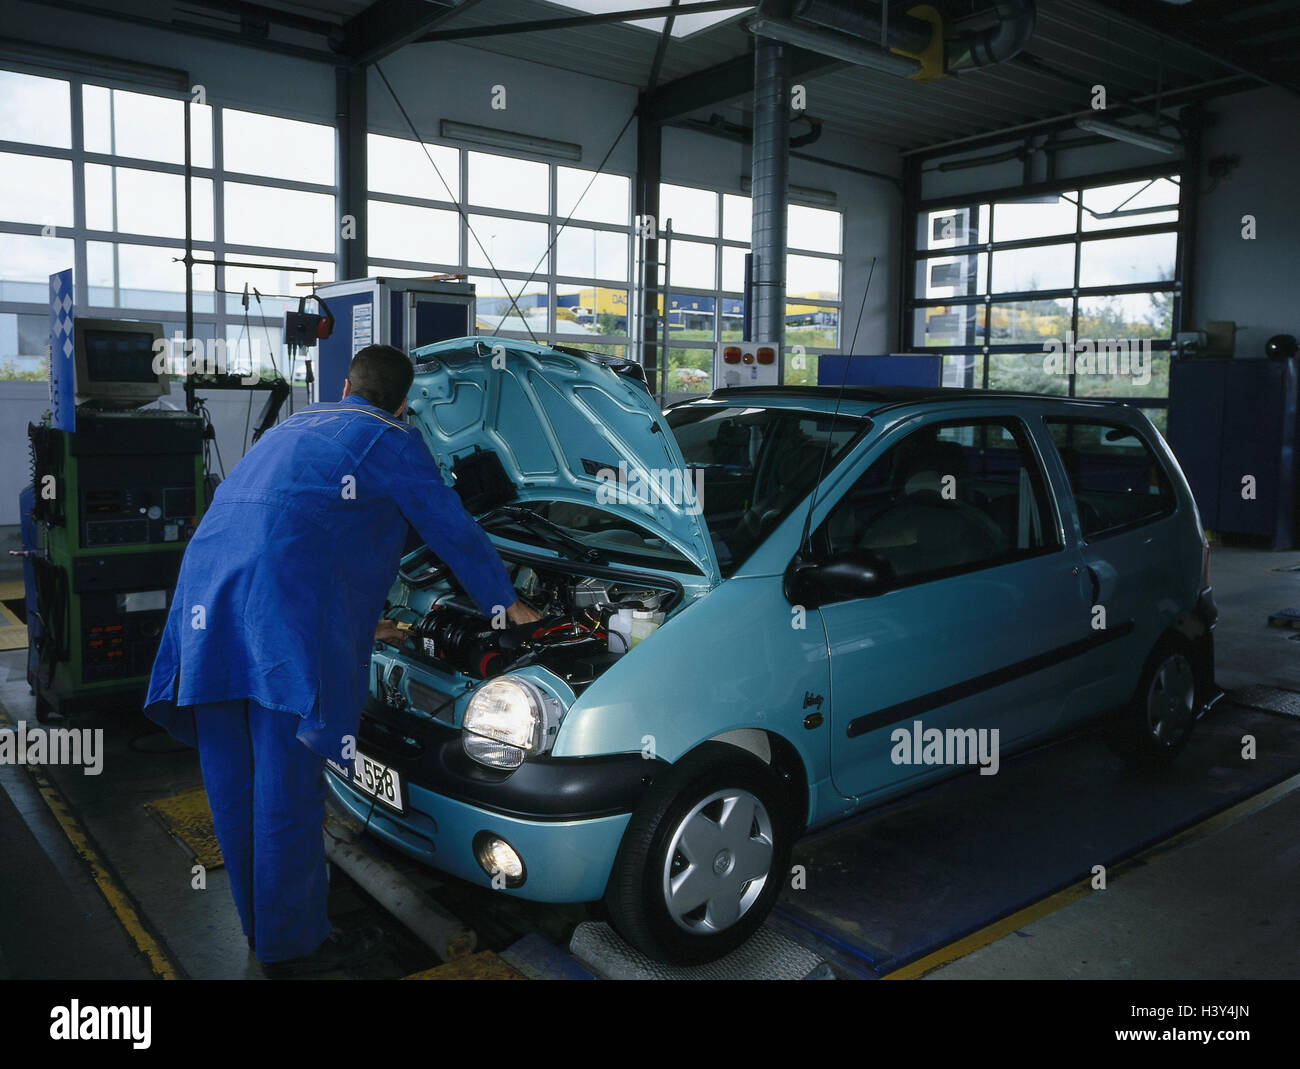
<point>12,590</point>
<point>13,632</point>
<point>999,928</point>
<point>114,893</point>
<point>485,965</point>
<point>187,817</point>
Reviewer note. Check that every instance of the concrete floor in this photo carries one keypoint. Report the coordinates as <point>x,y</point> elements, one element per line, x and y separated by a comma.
<point>1222,905</point>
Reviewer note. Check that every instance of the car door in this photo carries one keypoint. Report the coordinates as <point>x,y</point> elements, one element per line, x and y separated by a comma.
<point>973,635</point>
<point>1131,547</point>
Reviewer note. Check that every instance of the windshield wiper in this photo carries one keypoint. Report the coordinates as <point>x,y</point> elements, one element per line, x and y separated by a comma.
<point>558,536</point>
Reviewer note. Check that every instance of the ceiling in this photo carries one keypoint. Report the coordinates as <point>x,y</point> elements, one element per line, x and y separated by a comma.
<point>1138,49</point>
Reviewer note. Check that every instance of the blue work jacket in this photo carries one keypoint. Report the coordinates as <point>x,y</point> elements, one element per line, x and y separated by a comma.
<point>283,583</point>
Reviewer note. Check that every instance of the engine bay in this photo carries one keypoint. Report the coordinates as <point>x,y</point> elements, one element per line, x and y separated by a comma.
<point>582,630</point>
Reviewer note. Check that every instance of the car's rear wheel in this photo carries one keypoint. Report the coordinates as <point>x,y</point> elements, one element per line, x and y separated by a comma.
<point>703,857</point>
<point>1158,722</point>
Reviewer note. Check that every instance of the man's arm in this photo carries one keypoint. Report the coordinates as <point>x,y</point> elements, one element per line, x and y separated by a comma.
<point>436,512</point>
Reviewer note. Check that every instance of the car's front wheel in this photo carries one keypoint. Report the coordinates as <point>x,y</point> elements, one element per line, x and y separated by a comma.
<point>703,857</point>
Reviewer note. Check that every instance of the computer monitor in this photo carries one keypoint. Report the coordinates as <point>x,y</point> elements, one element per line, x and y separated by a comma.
<point>115,361</point>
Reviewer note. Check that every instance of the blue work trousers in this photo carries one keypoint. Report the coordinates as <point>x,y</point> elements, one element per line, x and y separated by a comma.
<point>267,794</point>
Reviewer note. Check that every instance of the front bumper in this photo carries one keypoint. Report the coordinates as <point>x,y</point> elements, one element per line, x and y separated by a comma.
<point>564,816</point>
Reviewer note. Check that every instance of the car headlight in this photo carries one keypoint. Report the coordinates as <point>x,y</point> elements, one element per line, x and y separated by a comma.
<point>507,720</point>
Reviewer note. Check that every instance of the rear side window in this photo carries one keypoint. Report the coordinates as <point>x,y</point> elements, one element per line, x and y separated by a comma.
<point>1116,479</point>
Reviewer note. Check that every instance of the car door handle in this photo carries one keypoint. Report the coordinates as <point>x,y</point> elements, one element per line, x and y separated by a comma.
<point>1096,585</point>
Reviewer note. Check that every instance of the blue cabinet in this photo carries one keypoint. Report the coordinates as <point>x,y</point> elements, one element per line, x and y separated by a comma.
<point>1232,425</point>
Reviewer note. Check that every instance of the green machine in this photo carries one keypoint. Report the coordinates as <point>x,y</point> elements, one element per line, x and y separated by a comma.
<point>114,503</point>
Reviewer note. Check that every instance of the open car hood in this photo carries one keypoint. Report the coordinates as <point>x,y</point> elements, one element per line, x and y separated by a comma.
<point>561,423</point>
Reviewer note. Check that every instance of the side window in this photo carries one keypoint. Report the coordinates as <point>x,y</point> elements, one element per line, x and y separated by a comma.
<point>948,498</point>
<point>1116,479</point>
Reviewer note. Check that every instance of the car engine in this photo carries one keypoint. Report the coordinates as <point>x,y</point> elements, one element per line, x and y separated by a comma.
<point>573,638</point>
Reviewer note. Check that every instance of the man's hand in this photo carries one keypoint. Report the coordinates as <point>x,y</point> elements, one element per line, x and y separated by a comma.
<point>389,632</point>
<point>519,613</point>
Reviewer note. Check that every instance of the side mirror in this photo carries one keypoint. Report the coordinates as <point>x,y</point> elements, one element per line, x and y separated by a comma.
<point>848,573</point>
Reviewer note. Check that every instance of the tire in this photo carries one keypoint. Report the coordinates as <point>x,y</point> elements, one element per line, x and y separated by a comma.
<point>1157,723</point>
<point>652,901</point>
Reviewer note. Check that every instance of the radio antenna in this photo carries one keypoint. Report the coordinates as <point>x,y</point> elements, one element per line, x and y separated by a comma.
<point>848,357</point>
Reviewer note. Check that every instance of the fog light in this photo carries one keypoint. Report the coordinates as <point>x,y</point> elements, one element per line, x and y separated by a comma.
<point>495,855</point>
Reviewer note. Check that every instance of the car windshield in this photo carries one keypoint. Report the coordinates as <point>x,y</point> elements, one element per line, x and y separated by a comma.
<point>758,464</point>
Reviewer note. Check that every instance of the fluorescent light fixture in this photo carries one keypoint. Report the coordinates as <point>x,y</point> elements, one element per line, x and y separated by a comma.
<point>1117,132</point>
<point>506,139</point>
<point>835,45</point>
<point>683,25</point>
<point>814,198</point>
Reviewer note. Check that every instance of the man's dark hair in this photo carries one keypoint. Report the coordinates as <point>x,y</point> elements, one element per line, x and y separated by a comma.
<point>382,375</point>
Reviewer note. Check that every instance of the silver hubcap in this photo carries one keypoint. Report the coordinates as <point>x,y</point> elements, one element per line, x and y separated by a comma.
<point>718,862</point>
<point>1171,699</point>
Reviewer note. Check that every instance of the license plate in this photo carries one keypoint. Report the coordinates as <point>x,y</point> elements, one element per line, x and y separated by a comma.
<point>377,780</point>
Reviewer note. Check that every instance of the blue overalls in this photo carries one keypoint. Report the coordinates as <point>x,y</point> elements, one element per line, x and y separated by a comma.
<point>263,662</point>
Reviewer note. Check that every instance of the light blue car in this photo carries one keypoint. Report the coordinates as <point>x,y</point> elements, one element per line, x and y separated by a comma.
<point>761,612</point>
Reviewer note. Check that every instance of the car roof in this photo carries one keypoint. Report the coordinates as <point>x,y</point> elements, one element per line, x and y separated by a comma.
<point>867,400</point>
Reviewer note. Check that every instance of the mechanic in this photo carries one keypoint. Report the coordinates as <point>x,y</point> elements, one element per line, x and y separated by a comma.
<point>263,664</point>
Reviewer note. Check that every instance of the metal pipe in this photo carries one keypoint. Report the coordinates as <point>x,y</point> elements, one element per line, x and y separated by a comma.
<point>836,45</point>
<point>769,168</point>
<point>866,20</point>
<point>442,933</point>
<point>1000,42</point>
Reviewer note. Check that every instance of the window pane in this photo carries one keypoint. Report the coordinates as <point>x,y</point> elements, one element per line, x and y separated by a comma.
<point>1127,315</point>
<point>590,310</point>
<point>1028,322</point>
<point>144,126</point>
<point>1050,267</point>
<point>592,253</point>
<point>1025,372</point>
<point>945,500</point>
<point>737,218</point>
<point>508,244</point>
<point>280,289</point>
<point>131,201</point>
<point>503,182</point>
<point>692,265</point>
<point>689,370</point>
<point>407,232</point>
<point>398,165</point>
<point>813,326</point>
<point>607,201</point>
<point>35,190</point>
<point>817,229</point>
<point>26,263</point>
<point>1034,217</point>
<point>691,317</point>
<point>1132,204</point>
<point>951,227</point>
<point>952,276</point>
<point>279,218</point>
<point>277,148</point>
<point>691,211</point>
<point>23,339</point>
<point>1121,368</point>
<point>1116,480</point>
<point>948,324</point>
<point>143,277</point>
<point>496,312</point>
<point>732,325</point>
<point>1117,261</point>
<point>36,110</point>
<point>812,276</point>
<point>965,370</point>
<point>733,269</point>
